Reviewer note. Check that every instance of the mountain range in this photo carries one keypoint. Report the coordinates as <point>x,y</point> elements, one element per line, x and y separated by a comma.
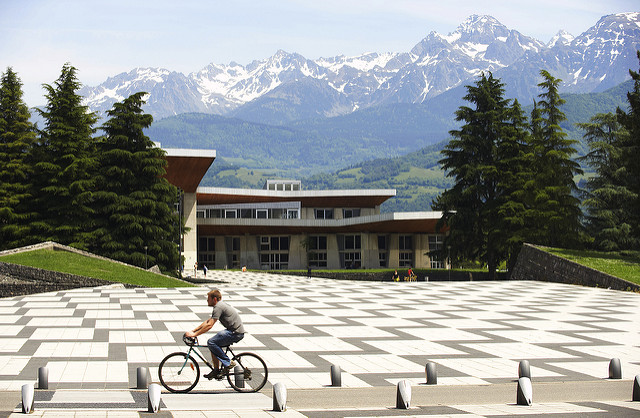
<point>288,87</point>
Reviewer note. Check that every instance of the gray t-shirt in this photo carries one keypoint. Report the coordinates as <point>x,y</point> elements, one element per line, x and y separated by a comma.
<point>228,317</point>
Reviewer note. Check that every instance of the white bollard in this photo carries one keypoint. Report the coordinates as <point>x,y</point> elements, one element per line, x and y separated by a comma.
<point>403,397</point>
<point>524,369</point>
<point>142,378</point>
<point>432,374</point>
<point>525,392</point>
<point>615,369</point>
<point>279,397</point>
<point>28,392</point>
<point>43,378</point>
<point>153,398</point>
<point>336,375</point>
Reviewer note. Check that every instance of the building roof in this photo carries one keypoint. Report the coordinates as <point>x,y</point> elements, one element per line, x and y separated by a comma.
<point>397,222</point>
<point>309,198</point>
<point>187,167</point>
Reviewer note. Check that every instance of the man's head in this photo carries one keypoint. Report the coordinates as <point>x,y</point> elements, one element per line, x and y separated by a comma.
<point>213,297</point>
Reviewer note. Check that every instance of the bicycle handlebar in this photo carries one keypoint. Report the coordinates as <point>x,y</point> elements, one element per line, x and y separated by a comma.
<point>190,341</point>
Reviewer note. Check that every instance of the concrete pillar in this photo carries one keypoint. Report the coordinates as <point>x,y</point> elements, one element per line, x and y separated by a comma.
<point>524,370</point>
<point>524,394</point>
<point>403,396</point>
<point>615,369</point>
<point>28,392</point>
<point>142,378</point>
<point>43,378</point>
<point>190,250</point>
<point>279,397</point>
<point>336,375</point>
<point>432,374</point>
<point>153,398</point>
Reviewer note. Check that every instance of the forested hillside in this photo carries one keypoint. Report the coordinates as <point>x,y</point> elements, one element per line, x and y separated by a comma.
<point>393,146</point>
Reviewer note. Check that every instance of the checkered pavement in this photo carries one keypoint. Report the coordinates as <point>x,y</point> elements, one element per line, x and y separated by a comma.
<point>377,332</point>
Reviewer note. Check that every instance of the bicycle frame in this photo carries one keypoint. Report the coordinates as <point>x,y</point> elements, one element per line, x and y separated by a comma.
<point>192,349</point>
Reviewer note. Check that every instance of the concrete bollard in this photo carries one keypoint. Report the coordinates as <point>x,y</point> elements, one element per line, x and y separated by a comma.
<point>432,374</point>
<point>142,378</point>
<point>524,369</point>
<point>525,392</point>
<point>336,375</point>
<point>238,375</point>
<point>43,378</point>
<point>636,389</point>
<point>615,369</point>
<point>28,392</point>
<point>279,397</point>
<point>403,397</point>
<point>153,398</point>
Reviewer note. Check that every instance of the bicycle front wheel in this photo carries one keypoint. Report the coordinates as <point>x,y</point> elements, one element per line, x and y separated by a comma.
<point>179,372</point>
<point>250,373</point>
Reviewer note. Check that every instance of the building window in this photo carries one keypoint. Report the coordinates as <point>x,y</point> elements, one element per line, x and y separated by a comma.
<point>292,214</point>
<point>323,213</point>
<point>233,251</point>
<point>317,251</point>
<point>274,253</point>
<point>350,213</point>
<point>383,255</point>
<point>230,213</point>
<point>206,252</point>
<point>435,244</point>
<point>405,254</point>
<point>350,246</point>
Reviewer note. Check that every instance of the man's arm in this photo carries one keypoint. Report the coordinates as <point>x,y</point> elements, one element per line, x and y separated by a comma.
<point>202,328</point>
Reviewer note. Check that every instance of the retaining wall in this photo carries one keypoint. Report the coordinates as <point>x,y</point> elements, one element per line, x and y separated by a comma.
<point>536,264</point>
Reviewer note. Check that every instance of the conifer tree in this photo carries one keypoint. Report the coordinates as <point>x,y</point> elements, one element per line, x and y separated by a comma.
<point>607,195</point>
<point>66,165</point>
<point>478,157</point>
<point>555,210</point>
<point>630,154</point>
<point>17,135</point>
<point>137,220</point>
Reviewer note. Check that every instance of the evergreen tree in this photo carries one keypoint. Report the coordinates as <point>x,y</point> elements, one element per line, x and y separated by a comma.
<point>65,165</point>
<point>608,219</point>
<point>137,218</point>
<point>478,158</point>
<point>555,211</point>
<point>17,135</point>
<point>516,167</point>
<point>630,155</point>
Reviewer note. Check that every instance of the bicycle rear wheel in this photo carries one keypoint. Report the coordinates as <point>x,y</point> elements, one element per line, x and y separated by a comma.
<point>250,373</point>
<point>179,372</point>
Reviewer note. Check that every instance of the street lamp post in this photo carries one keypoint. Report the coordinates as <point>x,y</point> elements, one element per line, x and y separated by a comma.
<point>449,260</point>
<point>145,258</point>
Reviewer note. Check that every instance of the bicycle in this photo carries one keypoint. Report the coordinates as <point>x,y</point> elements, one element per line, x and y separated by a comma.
<point>179,372</point>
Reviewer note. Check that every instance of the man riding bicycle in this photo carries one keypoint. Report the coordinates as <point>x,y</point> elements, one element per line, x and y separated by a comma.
<point>233,332</point>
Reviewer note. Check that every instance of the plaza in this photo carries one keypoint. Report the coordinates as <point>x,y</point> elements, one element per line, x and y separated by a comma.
<point>92,340</point>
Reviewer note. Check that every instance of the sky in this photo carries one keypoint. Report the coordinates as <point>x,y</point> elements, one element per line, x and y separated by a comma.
<point>105,38</point>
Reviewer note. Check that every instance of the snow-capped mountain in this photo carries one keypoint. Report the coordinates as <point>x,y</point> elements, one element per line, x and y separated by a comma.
<point>287,86</point>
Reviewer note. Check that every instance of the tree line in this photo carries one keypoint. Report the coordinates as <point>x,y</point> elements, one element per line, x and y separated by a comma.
<point>514,177</point>
<point>64,183</point>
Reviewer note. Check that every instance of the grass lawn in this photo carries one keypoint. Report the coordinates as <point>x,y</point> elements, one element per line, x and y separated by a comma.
<point>625,266</point>
<point>66,262</point>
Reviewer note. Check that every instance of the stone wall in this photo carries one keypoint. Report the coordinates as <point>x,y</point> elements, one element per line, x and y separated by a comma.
<point>16,280</point>
<point>536,264</point>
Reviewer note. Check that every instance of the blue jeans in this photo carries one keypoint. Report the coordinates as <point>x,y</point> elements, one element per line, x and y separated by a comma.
<point>223,338</point>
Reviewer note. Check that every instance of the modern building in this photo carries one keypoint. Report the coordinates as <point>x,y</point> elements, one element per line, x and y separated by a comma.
<point>283,226</point>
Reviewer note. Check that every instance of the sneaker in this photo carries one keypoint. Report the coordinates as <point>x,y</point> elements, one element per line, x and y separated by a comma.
<point>212,374</point>
<point>226,369</point>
